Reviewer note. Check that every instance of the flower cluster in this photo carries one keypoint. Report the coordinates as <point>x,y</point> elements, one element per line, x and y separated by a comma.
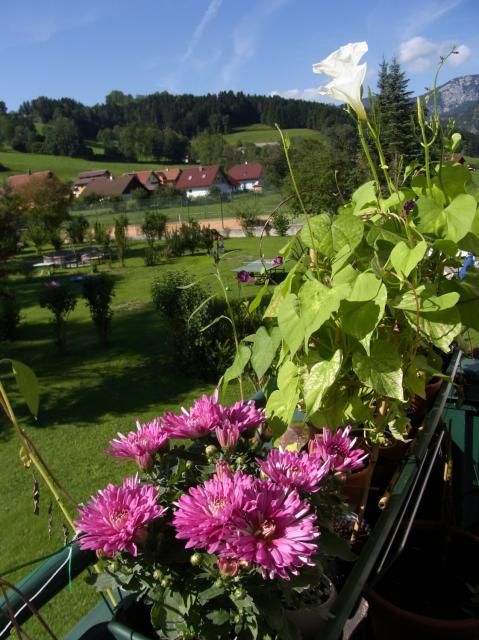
<point>240,513</point>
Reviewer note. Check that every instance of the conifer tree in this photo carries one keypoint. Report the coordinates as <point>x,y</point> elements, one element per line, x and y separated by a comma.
<point>395,115</point>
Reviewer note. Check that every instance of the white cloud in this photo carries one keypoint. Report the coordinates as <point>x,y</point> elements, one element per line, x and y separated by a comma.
<point>419,54</point>
<point>463,54</point>
<point>208,16</point>
<point>310,93</point>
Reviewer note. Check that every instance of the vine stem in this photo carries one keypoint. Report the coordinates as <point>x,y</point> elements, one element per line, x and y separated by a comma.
<point>367,153</point>
<point>233,324</point>
<point>41,467</point>
<point>313,252</point>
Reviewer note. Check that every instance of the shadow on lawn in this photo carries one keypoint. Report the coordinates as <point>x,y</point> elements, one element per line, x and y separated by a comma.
<point>130,377</point>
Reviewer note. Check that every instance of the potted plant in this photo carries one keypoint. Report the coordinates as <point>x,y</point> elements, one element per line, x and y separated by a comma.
<point>353,333</point>
<point>222,535</point>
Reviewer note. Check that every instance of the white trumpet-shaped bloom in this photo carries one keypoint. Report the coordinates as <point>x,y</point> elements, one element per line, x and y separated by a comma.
<point>347,75</point>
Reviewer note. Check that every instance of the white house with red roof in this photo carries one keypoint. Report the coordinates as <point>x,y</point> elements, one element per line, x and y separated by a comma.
<point>248,176</point>
<point>197,182</point>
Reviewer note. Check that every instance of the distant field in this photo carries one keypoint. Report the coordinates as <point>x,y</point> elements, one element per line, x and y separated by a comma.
<point>258,133</point>
<point>263,204</point>
<point>67,168</point>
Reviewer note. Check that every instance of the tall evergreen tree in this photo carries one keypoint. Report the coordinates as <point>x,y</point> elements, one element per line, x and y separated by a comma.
<point>395,114</point>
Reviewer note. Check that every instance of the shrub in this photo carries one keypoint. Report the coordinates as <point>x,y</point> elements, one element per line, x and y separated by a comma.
<point>191,236</point>
<point>102,234</point>
<point>77,228</point>
<point>60,300</point>
<point>9,315</point>
<point>98,293</point>
<point>174,244</point>
<point>202,351</point>
<point>248,220</point>
<point>154,226</point>
<point>280,223</point>
<point>151,256</point>
<point>121,237</point>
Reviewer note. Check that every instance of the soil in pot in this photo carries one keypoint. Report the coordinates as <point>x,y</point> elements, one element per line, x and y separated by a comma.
<point>424,595</point>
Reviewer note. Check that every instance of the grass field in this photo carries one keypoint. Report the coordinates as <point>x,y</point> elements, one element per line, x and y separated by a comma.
<point>261,133</point>
<point>68,168</point>
<point>88,395</point>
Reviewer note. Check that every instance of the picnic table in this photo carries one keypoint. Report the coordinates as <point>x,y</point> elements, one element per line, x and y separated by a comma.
<point>259,269</point>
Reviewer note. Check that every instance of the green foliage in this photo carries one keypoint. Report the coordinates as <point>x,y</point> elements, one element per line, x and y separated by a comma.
<point>98,293</point>
<point>198,322</point>
<point>154,226</point>
<point>62,138</point>
<point>325,176</point>
<point>60,300</point>
<point>121,237</point>
<point>9,315</point>
<point>46,202</point>
<point>395,116</point>
<point>77,229</point>
<point>10,221</point>
<point>101,233</point>
<point>248,219</point>
<point>208,148</point>
<point>357,321</point>
<point>280,223</point>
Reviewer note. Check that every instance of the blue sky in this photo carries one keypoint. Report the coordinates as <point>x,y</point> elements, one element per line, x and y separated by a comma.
<point>84,50</point>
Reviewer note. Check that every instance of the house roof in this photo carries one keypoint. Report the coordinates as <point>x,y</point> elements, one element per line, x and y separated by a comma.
<point>169,175</point>
<point>246,171</point>
<point>197,177</point>
<point>85,176</point>
<point>22,180</point>
<point>144,176</point>
<point>118,186</point>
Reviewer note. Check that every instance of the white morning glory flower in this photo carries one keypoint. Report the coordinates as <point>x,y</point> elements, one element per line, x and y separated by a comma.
<point>348,76</point>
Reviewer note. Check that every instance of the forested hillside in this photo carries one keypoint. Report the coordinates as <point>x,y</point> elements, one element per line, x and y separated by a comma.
<point>156,126</point>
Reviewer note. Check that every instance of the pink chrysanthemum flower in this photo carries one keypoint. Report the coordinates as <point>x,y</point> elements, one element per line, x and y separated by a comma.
<point>273,530</point>
<point>235,419</point>
<point>115,518</point>
<point>294,470</point>
<point>140,445</point>
<point>204,512</point>
<point>337,448</point>
<point>243,415</point>
<point>227,435</point>
<point>202,419</point>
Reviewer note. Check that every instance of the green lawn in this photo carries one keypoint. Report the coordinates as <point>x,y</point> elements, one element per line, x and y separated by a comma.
<point>67,168</point>
<point>259,133</point>
<point>88,395</point>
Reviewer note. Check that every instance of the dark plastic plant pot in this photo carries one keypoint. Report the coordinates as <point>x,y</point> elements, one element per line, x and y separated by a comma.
<point>309,620</point>
<point>424,595</point>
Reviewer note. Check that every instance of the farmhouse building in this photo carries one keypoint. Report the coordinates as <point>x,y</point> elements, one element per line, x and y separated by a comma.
<point>105,188</point>
<point>149,179</point>
<point>248,176</point>
<point>198,181</point>
<point>169,176</point>
<point>87,176</point>
<point>23,180</point>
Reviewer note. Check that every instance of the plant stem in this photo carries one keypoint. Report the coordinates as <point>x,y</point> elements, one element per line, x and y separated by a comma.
<point>41,468</point>
<point>233,324</point>
<point>367,153</point>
